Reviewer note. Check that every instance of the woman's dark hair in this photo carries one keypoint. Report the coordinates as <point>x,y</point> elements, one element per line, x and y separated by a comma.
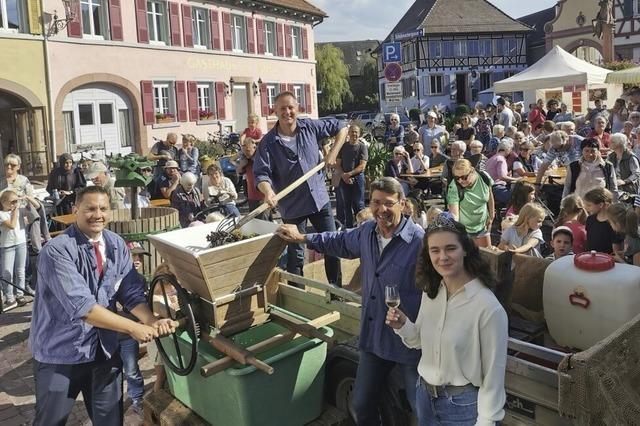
<point>589,143</point>
<point>520,195</point>
<point>428,279</point>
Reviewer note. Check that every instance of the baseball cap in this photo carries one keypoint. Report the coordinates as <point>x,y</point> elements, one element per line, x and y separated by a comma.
<point>136,248</point>
<point>95,168</point>
<point>432,114</point>
<point>561,229</point>
<point>171,165</point>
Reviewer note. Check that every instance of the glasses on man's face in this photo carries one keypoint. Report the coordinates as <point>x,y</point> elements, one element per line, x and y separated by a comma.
<point>434,147</point>
<point>463,177</point>
<point>11,165</point>
<point>394,121</point>
<point>387,204</point>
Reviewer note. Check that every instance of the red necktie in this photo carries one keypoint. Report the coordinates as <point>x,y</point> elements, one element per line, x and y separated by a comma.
<point>96,249</point>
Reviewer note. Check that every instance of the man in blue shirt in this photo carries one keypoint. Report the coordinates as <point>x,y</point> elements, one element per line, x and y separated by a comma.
<point>286,153</point>
<point>388,248</point>
<point>81,275</point>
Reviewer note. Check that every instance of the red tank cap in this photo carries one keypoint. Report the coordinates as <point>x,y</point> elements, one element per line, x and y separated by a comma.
<point>594,261</point>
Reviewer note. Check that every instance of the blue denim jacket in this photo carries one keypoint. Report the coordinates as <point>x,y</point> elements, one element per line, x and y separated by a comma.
<point>396,265</point>
<point>275,163</point>
<point>69,286</point>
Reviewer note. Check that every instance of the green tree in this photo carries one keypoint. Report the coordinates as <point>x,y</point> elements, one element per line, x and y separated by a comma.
<point>370,84</point>
<point>333,79</point>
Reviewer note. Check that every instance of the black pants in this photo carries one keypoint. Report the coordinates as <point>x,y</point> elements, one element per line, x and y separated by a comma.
<point>58,386</point>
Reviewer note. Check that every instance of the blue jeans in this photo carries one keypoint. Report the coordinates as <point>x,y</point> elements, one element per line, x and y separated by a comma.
<point>14,259</point>
<point>371,379</point>
<point>459,410</point>
<point>131,369</point>
<point>231,209</point>
<point>352,198</point>
<point>322,221</point>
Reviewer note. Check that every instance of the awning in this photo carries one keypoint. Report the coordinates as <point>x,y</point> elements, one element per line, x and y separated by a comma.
<point>628,76</point>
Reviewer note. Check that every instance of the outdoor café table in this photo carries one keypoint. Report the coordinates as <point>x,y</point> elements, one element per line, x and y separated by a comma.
<point>431,174</point>
<point>555,176</point>
<point>69,219</point>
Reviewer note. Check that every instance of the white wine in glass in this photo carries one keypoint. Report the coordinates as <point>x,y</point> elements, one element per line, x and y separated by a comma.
<point>392,296</point>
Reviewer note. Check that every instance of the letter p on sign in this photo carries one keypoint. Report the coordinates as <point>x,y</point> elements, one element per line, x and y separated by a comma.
<point>391,52</point>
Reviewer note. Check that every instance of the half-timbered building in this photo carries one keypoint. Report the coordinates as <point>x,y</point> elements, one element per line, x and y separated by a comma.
<point>460,49</point>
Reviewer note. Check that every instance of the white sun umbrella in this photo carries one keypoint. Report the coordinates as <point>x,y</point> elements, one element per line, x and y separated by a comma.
<point>628,76</point>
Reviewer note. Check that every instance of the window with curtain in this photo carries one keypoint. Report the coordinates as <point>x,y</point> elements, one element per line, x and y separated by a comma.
<point>124,122</point>
<point>69,129</point>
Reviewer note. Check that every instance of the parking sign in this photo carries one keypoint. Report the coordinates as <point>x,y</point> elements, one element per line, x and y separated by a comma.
<point>391,52</point>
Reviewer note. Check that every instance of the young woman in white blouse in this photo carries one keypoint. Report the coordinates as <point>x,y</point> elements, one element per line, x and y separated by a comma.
<point>461,328</point>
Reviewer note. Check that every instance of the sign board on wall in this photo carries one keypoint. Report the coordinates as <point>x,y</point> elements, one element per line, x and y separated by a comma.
<point>391,52</point>
<point>392,89</point>
<point>393,71</point>
<point>408,34</point>
<point>598,94</point>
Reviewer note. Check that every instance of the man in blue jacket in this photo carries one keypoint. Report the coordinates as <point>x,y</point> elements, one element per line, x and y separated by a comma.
<point>388,248</point>
<point>81,275</point>
<point>287,152</point>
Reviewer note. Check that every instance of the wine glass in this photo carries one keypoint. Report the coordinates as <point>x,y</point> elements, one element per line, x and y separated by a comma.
<point>392,296</point>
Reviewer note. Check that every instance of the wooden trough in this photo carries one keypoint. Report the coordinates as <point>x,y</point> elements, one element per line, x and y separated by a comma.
<point>151,220</point>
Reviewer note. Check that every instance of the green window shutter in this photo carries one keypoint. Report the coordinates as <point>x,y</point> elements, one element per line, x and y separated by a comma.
<point>35,14</point>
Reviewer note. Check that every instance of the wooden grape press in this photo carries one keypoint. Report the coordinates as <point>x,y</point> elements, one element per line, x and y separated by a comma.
<point>235,359</point>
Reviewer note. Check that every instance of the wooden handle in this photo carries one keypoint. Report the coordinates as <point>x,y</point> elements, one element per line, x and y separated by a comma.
<point>238,353</point>
<point>265,345</point>
<point>280,195</point>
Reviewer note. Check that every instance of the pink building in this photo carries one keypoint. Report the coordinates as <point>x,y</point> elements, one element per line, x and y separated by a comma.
<point>124,72</point>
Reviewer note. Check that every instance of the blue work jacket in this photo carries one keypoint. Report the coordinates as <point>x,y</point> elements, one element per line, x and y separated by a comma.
<point>69,287</point>
<point>278,165</point>
<point>396,265</point>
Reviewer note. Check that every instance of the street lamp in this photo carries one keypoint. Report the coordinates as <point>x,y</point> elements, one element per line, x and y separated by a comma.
<point>58,24</point>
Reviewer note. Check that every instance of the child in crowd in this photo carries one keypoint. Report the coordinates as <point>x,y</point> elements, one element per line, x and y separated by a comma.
<point>521,194</point>
<point>561,242</point>
<point>363,216</point>
<point>129,347</point>
<point>13,245</point>
<point>525,236</point>
<point>413,210</point>
<point>574,216</point>
<point>432,213</point>
<point>625,220</point>
<point>253,131</point>
<point>600,234</point>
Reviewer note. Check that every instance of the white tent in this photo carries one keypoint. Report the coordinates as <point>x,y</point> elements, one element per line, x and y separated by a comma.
<point>555,69</point>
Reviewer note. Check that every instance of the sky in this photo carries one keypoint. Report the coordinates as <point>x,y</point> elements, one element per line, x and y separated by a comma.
<point>374,19</point>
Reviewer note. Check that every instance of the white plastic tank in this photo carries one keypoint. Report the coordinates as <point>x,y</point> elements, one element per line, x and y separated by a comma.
<point>587,297</point>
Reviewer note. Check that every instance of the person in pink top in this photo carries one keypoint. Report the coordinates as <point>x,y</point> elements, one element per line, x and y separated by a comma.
<point>574,216</point>
<point>498,169</point>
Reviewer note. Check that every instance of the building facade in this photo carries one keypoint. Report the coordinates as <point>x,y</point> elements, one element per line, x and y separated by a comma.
<point>122,73</point>
<point>571,28</point>
<point>463,47</point>
<point>23,88</point>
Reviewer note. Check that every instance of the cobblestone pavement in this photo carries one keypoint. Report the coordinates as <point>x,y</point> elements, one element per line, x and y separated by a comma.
<point>17,386</point>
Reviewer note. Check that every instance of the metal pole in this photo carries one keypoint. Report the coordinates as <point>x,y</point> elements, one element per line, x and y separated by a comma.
<point>134,203</point>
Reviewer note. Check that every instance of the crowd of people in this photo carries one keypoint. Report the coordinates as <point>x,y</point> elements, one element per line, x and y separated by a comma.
<point>494,166</point>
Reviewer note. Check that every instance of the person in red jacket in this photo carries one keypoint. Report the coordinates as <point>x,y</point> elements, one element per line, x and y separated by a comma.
<point>537,116</point>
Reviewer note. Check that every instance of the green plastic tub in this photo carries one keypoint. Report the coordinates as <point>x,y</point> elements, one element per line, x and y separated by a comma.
<point>244,396</point>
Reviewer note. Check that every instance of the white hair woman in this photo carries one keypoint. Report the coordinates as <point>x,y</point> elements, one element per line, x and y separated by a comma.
<point>394,135</point>
<point>398,165</point>
<point>625,164</point>
<point>187,199</point>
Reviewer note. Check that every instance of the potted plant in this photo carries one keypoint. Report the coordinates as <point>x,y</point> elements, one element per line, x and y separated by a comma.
<point>205,114</point>
<point>379,156</point>
<point>164,117</point>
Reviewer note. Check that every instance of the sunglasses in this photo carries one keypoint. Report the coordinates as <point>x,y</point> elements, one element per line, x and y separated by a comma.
<point>434,147</point>
<point>464,177</point>
<point>12,165</point>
